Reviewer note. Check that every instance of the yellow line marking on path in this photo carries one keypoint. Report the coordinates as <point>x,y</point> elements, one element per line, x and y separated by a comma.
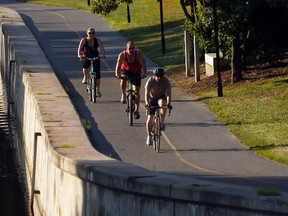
<point>200,168</point>
<point>183,160</point>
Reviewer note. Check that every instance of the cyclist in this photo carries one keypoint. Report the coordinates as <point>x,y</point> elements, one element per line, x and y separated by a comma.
<point>131,63</point>
<point>157,92</point>
<point>88,47</point>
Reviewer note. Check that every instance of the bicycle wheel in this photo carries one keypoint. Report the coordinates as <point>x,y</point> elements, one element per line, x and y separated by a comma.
<point>158,131</point>
<point>154,134</point>
<point>89,88</point>
<point>131,108</point>
<point>93,88</point>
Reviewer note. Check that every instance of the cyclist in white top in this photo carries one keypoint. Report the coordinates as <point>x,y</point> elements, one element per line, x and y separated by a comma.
<point>157,92</point>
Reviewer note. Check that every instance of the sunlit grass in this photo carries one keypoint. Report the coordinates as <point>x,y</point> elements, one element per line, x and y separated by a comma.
<point>145,29</point>
<point>257,114</point>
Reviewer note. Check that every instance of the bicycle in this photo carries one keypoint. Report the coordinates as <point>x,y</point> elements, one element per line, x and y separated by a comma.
<point>156,128</point>
<point>130,104</point>
<point>91,81</point>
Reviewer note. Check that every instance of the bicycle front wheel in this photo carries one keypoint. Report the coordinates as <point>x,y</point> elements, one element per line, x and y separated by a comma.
<point>93,88</point>
<point>156,134</point>
<point>131,108</point>
<point>88,87</point>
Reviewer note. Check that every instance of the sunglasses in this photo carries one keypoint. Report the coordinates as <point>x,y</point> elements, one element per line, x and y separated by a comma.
<point>131,48</point>
<point>159,76</point>
<point>91,33</point>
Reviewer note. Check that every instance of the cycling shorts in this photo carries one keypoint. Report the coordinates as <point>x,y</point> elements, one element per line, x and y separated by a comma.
<point>136,77</point>
<point>154,103</point>
<point>96,64</point>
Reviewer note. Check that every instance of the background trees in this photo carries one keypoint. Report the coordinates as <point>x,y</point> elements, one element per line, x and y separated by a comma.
<point>249,31</point>
<point>104,7</point>
<point>254,28</point>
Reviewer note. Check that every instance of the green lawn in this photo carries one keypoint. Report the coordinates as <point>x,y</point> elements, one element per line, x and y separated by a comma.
<point>256,112</point>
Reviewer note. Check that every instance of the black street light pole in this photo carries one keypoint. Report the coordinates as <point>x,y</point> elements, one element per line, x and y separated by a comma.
<point>219,82</point>
<point>162,27</point>
<point>128,13</point>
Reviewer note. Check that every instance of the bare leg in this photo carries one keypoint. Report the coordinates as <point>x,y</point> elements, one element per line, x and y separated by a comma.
<point>98,85</point>
<point>149,124</point>
<point>85,72</point>
<point>163,111</point>
<point>123,84</point>
<point>137,97</point>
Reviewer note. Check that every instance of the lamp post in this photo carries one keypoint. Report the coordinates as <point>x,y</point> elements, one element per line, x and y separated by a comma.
<point>128,13</point>
<point>219,82</point>
<point>162,26</point>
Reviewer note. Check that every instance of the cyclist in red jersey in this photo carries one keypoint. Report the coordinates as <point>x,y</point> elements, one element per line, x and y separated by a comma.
<point>131,63</point>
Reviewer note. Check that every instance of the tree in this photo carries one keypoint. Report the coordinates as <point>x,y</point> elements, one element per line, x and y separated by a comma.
<point>104,7</point>
<point>231,15</point>
<point>237,20</point>
<point>269,30</point>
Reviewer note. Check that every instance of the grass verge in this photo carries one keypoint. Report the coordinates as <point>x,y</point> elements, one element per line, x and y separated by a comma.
<point>256,113</point>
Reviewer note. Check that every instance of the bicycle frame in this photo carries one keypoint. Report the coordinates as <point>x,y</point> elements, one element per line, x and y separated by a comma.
<point>156,128</point>
<point>156,131</point>
<point>130,107</point>
<point>91,82</point>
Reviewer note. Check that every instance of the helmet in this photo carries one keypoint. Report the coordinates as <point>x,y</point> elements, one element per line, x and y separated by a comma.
<point>158,71</point>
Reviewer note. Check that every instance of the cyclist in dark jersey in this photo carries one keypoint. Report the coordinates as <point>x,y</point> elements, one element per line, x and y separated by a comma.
<point>88,47</point>
<point>131,62</point>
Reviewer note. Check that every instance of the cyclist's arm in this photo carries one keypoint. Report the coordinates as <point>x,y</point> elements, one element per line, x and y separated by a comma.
<point>100,44</point>
<point>169,93</point>
<point>147,95</point>
<point>141,58</point>
<point>80,49</point>
<point>168,101</point>
<point>118,64</point>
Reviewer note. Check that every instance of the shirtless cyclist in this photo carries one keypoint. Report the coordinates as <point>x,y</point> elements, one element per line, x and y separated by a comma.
<point>131,63</point>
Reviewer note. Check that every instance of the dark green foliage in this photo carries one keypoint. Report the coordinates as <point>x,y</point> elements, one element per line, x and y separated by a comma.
<point>269,30</point>
<point>261,25</point>
<point>104,7</point>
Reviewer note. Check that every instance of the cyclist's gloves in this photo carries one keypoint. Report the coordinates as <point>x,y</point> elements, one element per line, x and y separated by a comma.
<point>170,107</point>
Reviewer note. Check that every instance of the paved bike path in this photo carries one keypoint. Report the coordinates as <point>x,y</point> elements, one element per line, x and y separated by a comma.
<point>195,144</point>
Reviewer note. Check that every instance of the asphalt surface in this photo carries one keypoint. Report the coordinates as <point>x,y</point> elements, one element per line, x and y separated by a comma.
<point>195,144</point>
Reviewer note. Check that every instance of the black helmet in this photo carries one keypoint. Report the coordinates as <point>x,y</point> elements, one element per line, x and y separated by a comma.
<point>158,71</point>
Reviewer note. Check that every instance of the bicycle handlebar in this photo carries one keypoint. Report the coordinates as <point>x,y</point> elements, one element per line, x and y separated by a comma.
<point>160,107</point>
<point>128,78</point>
<point>93,59</point>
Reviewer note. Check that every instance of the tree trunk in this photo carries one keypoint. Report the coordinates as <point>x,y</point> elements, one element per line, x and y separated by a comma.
<point>236,74</point>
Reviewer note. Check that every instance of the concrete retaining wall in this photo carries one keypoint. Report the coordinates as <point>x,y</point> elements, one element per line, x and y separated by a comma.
<point>66,176</point>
